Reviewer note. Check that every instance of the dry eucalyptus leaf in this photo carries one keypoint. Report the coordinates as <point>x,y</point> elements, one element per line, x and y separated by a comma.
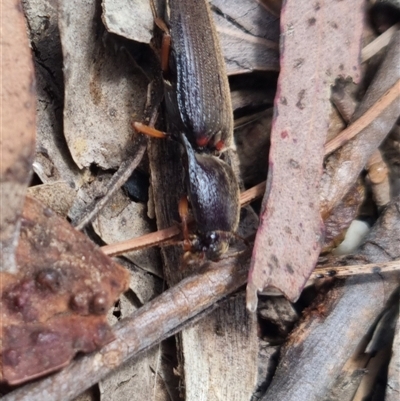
<point>135,377</point>
<point>144,285</point>
<point>252,16</point>
<point>249,36</point>
<point>103,89</point>
<point>243,52</point>
<point>319,43</point>
<point>131,19</point>
<point>122,219</point>
<point>18,118</point>
<point>135,380</point>
<point>58,196</point>
<point>53,161</point>
<point>56,306</point>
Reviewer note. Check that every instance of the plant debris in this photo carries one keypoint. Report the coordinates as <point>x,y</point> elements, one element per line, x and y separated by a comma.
<point>290,234</point>
<point>56,305</point>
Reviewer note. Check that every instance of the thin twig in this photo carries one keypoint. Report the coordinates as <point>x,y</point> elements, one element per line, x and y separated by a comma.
<point>145,241</point>
<point>252,194</point>
<point>379,43</point>
<point>365,120</point>
<point>117,180</point>
<point>345,271</point>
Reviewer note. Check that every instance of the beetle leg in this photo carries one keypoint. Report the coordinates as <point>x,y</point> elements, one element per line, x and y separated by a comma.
<point>183,209</point>
<point>166,38</point>
<point>150,131</point>
<point>165,50</point>
<point>242,239</point>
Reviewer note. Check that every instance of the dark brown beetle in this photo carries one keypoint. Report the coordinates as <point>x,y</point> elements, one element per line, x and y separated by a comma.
<point>197,86</point>
<point>214,196</point>
<point>200,117</point>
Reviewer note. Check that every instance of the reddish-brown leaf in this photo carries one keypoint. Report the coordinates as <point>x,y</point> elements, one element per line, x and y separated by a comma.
<point>319,42</point>
<point>57,304</point>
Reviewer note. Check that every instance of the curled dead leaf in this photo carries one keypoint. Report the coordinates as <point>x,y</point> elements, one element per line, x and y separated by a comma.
<point>56,306</point>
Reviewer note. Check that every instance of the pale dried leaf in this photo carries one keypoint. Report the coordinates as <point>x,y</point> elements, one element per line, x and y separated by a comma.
<point>53,161</point>
<point>135,380</point>
<point>103,90</point>
<point>251,16</point>
<point>58,196</point>
<point>131,19</point>
<point>245,53</point>
<point>319,42</point>
<point>212,375</point>
<point>248,34</point>
<point>18,127</point>
<point>122,219</point>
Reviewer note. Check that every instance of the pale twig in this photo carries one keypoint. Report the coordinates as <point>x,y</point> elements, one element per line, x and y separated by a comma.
<point>345,271</point>
<point>379,43</point>
<point>365,120</point>
<point>145,241</point>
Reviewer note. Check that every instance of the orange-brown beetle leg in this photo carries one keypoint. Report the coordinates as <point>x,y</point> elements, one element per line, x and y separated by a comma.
<point>184,215</point>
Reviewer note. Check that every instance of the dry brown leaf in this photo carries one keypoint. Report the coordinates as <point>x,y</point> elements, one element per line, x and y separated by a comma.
<point>103,89</point>
<point>58,196</point>
<point>249,36</point>
<point>56,306</point>
<point>131,19</point>
<point>53,161</point>
<point>122,219</point>
<point>18,119</point>
<point>319,42</point>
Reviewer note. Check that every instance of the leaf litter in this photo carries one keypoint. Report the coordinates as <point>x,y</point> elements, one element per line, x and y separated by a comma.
<point>250,49</point>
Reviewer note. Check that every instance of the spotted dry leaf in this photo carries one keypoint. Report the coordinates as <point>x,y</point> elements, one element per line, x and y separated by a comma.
<point>319,42</point>
<point>56,306</point>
